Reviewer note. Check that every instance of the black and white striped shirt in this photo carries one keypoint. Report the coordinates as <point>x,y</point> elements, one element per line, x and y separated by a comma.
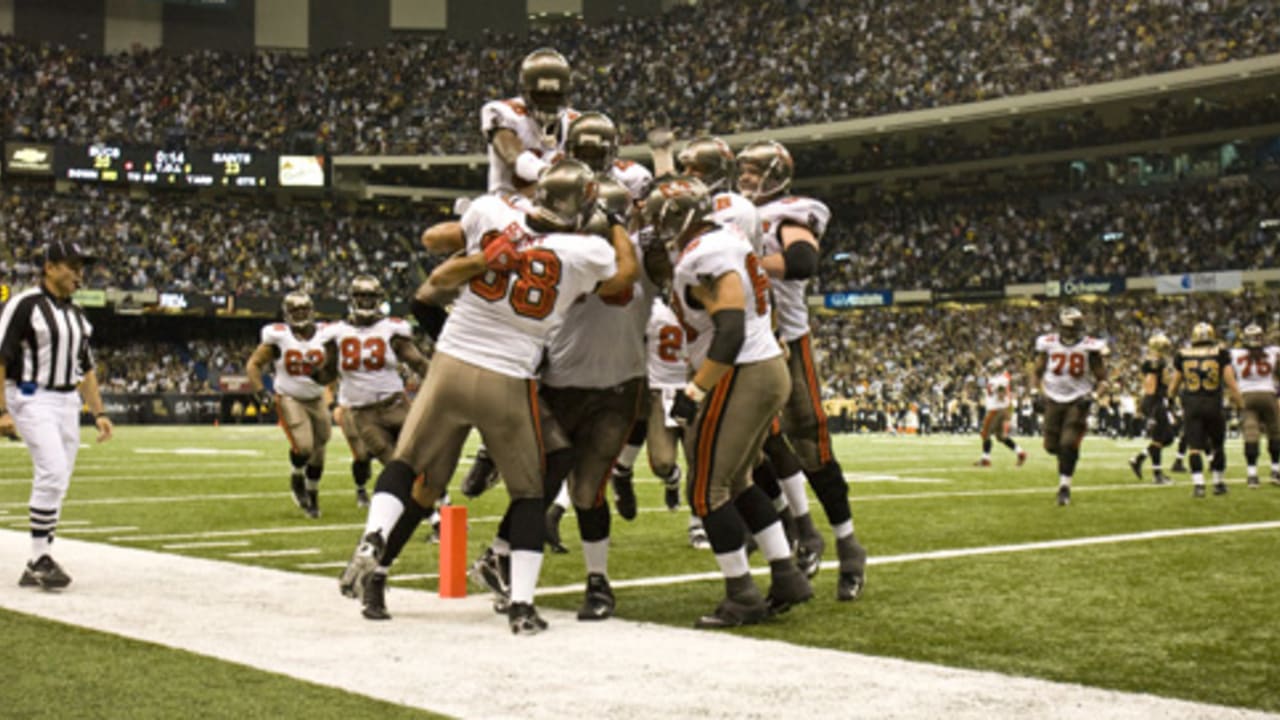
<point>44,340</point>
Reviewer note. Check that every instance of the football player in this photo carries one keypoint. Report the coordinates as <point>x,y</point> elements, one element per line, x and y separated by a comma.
<point>593,139</point>
<point>710,160</point>
<point>361,461</point>
<point>1068,367</point>
<point>1154,407</point>
<point>518,278</point>
<point>1200,372</point>
<point>739,384</point>
<point>296,350</point>
<point>791,227</point>
<point>1257,365</point>
<point>996,420</point>
<point>527,132</point>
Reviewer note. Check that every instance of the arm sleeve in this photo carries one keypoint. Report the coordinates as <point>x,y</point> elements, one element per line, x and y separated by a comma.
<point>15,317</point>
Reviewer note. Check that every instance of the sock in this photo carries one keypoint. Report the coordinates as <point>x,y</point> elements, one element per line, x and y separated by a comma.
<point>793,489</point>
<point>525,567</point>
<point>562,497</point>
<point>733,563</point>
<point>43,523</point>
<point>1064,481</point>
<point>986,448</point>
<point>772,542</point>
<point>297,461</point>
<point>1197,468</point>
<point>385,510</point>
<point>1155,451</point>
<point>596,556</point>
<point>843,530</point>
<point>361,471</point>
<point>1009,443</point>
<point>1217,477</point>
<point>500,547</point>
<point>313,477</point>
<point>627,458</point>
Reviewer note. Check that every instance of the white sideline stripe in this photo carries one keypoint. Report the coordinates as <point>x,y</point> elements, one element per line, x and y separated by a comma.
<point>202,545</point>
<point>298,625</point>
<point>946,554</point>
<point>336,564</point>
<point>195,451</point>
<point>275,553</point>
<point>161,499</point>
<point>98,530</point>
<point>202,476</point>
<point>410,577</point>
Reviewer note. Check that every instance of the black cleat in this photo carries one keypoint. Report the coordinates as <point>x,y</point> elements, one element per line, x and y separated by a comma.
<point>1064,495</point>
<point>1275,477</point>
<point>1253,482</point>
<point>1197,491</point>
<point>849,586</point>
<point>671,490</point>
<point>482,476</point>
<point>494,572</point>
<point>789,587</point>
<point>809,555</point>
<point>598,602</point>
<point>299,487</point>
<point>1162,479</point>
<point>524,619</point>
<point>1178,466</point>
<point>853,569</point>
<point>374,596</point>
<point>362,498</point>
<point>44,573</point>
<point>735,612</point>
<point>1220,488</point>
<point>313,504</point>
<point>553,516</point>
<point>1135,464</point>
<point>624,493</point>
<point>363,562</point>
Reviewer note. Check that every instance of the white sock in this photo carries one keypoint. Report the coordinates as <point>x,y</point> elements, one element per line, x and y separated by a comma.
<point>40,546</point>
<point>562,497</point>
<point>986,456</point>
<point>500,546</point>
<point>695,521</point>
<point>773,543</point>
<point>627,458</point>
<point>1064,481</point>
<point>525,566</point>
<point>1251,471</point>
<point>1197,478</point>
<point>596,555</point>
<point>793,488</point>
<point>1217,477</point>
<point>734,563</point>
<point>312,485</point>
<point>385,510</point>
<point>844,529</point>
<point>780,502</point>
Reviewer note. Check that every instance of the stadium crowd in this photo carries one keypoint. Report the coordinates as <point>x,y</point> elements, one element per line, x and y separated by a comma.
<point>767,65</point>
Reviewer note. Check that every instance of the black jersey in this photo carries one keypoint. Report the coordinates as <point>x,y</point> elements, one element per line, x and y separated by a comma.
<point>1156,366</point>
<point>1202,367</point>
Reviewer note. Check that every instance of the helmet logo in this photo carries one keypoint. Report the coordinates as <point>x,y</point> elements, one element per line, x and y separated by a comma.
<point>552,84</point>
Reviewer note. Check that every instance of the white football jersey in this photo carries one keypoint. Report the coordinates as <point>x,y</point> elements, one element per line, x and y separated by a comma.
<point>600,344</point>
<point>664,337</point>
<point>633,176</point>
<point>512,114</point>
<point>998,391</point>
<point>730,208</point>
<point>295,360</point>
<point>1256,375</point>
<point>501,322</point>
<point>706,258</point>
<point>1067,376</point>
<point>367,361</point>
<point>793,309</point>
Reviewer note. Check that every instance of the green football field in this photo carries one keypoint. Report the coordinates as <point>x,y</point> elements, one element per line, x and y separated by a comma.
<point>1133,587</point>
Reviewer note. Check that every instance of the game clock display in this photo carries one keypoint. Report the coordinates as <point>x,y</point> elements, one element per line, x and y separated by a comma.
<point>107,163</point>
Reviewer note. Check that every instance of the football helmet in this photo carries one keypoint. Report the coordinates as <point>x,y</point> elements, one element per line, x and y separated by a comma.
<point>565,197</point>
<point>765,170</point>
<point>1252,336</point>
<point>612,200</point>
<point>710,160</point>
<point>365,300</point>
<point>299,311</point>
<point>1070,325</point>
<point>545,80</point>
<point>593,139</point>
<point>674,206</point>
<point>1159,344</point>
<point>1203,334</point>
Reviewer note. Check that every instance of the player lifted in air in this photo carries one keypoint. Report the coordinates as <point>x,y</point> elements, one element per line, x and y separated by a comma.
<point>1257,367</point>
<point>527,132</point>
<point>297,350</point>
<point>1068,368</point>
<point>1155,409</point>
<point>1200,372</point>
<point>996,421</point>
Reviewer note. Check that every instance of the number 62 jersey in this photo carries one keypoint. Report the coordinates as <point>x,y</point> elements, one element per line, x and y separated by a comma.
<point>1067,376</point>
<point>295,359</point>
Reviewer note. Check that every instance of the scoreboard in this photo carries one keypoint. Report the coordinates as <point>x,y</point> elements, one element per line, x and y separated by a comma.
<point>106,163</point>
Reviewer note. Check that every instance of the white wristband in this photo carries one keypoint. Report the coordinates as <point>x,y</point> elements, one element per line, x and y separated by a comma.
<point>694,392</point>
<point>529,166</point>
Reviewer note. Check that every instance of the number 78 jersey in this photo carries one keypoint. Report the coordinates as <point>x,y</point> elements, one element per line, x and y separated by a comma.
<point>1067,377</point>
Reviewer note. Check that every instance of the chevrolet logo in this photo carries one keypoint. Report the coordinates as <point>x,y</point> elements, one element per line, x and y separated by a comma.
<point>30,157</point>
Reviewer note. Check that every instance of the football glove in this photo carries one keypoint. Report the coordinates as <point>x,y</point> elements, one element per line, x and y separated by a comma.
<point>500,255</point>
<point>684,408</point>
<point>264,398</point>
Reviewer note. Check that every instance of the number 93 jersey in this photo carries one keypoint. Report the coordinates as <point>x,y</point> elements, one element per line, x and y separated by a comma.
<point>366,360</point>
<point>707,258</point>
<point>295,360</point>
<point>1067,376</point>
<point>793,307</point>
<point>501,321</point>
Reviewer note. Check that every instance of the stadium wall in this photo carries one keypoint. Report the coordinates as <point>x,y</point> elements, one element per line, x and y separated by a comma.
<point>282,24</point>
<point>341,23</point>
<point>419,14</point>
<point>6,17</point>
<point>132,23</point>
<point>228,28</point>
<point>75,23</point>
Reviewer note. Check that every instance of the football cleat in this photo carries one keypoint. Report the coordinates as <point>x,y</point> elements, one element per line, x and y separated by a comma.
<point>493,571</point>
<point>982,462</point>
<point>45,573</point>
<point>1253,482</point>
<point>671,490</point>
<point>363,562</point>
<point>1135,464</point>
<point>1178,466</point>
<point>809,555</point>
<point>313,504</point>
<point>747,609</point>
<point>789,587</point>
<point>554,514</point>
<point>482,475</point>
<point>853,568</point>
<point>698,539</point>
<point>299,487</point>
<point>433,537</point>
<point>624,493</point>
<point>849,586</point>
<point>374,596</point>
<point>1022,458</point>
<point>1275,477</point>
<point>1220,488</point>
<point>1197,491</point>
<point>1162,479</point>
<point>362,498</point>
<point>1064,495</point>
<point>598,602</point>
<point>524,619</point>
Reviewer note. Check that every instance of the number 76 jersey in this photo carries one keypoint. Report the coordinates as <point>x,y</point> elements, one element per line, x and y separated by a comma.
<point>1067,376</point>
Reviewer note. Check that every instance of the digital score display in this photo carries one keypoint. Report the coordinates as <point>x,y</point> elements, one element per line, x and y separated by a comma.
<point>167,168</point>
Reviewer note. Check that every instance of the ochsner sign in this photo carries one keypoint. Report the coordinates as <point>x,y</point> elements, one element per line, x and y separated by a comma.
<point>1085,286</point>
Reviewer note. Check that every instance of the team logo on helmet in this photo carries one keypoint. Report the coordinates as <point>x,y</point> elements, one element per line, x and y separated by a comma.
<point>565,197</point>
<point>676,205</point>
<point>299,311</point>
<point>710,160</point>
<point>593,139</point>
<point>1159,344</point>
<point>1253,335</point>
<point>545,80</point>
<point>1203,334</point>
<point>765,170</point>
<point>365,301</point>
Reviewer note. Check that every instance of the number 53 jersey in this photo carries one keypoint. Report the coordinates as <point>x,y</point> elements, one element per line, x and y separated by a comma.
<point>501,321</point>
<point>1067,376</point>
<point>366,361</point>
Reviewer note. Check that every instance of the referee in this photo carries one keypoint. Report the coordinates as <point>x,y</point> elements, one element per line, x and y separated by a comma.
<point>44,359</point>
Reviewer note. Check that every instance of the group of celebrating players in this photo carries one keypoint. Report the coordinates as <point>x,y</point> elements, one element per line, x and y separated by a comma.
<point>588,308</point>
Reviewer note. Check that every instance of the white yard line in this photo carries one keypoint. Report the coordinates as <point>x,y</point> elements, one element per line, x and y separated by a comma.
<point>292,552</point>
<point>203,545</point>
<point>334,565</point>
<point>298,625</point>
<point>96,530</point>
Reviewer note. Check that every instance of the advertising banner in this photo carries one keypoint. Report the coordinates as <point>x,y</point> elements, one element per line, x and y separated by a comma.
<point>1199,282</point>
<point>1084,286</point>
<point>857,299</point>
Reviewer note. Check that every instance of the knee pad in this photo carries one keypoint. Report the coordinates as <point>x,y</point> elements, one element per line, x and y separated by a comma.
<point>298,459</point>
<point>724,529</point>
<point>361,470</point>
<point>593,524</point>
<point>315,471</point>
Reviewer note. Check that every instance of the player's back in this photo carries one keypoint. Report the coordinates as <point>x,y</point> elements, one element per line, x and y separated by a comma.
<point>713,255</point>
<point>1201,367</point>
<point>1255,371</point>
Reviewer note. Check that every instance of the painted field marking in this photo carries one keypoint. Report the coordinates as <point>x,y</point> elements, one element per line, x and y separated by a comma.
<point>417,576</point>
<point>202,545</point>
<point>204,476</point>
<point>159,500</point>
<point>947,554</point>
<point>99,530</point>
<point>334,565</point>
<point>195,451</point>
<point>275,553</point>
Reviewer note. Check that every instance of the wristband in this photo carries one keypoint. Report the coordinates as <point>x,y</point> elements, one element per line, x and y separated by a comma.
<point>694,392</point>
<point>529,166</point>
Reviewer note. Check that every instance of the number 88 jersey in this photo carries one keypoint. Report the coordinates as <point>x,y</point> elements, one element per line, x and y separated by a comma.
<point>1067,376</point>
<point>366,360</point>
<point>296,358</point>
